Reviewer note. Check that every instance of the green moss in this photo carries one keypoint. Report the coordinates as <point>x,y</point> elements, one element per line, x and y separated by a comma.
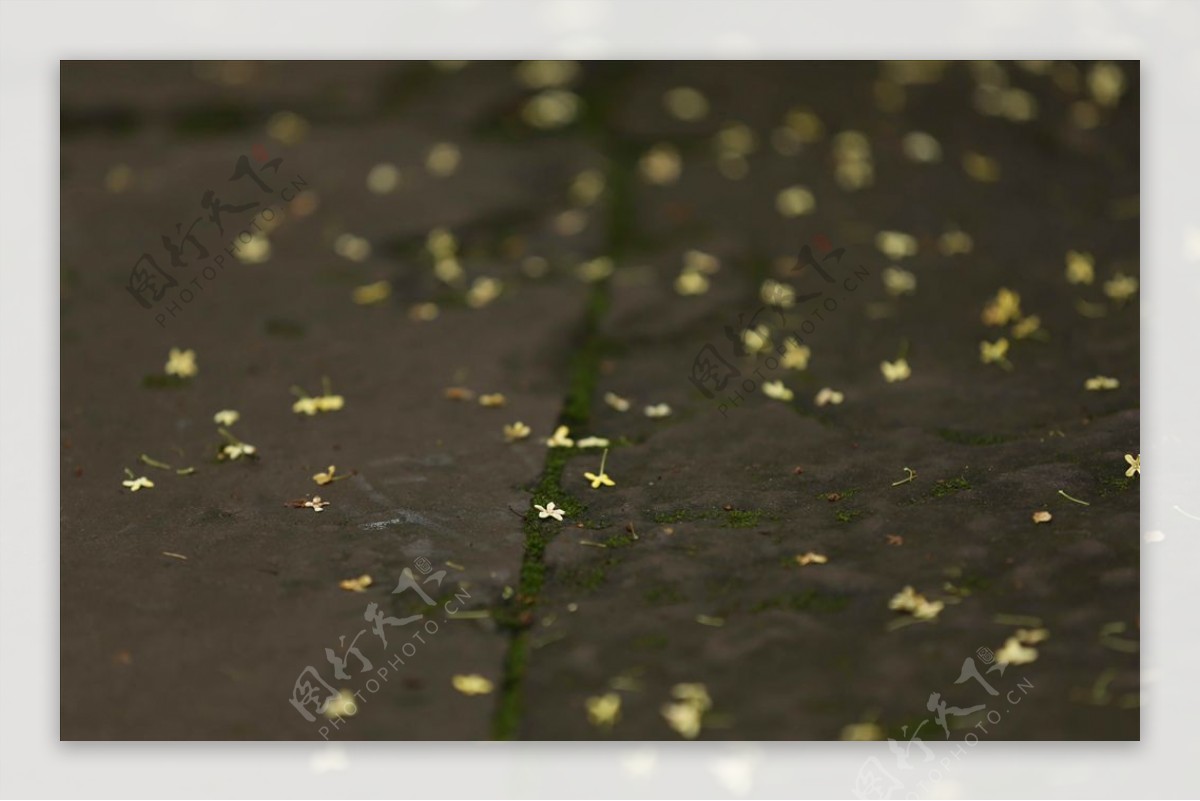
<point>731,518</point>
<point>847,515</point>
<point>620,540</point>
<point>649,642</point>
<point>966,438</point>
<point>807,601</point>
<point>1111,484</point>
<point>949,486</point>
<point>664,595</point>
<point>742,518</point>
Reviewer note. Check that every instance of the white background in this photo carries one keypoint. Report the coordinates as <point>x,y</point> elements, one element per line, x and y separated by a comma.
<point>35,35</point>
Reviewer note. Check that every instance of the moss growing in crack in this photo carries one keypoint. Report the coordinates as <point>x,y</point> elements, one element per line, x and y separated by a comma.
<point>848,515</point>
<point>966,438</point>
<point>730,518</point>
<point>743,518</point>
<point>620,540</point>
<point>949,486</point>
<point>807,601</point>
<point>664,595</point>
<point>1111,484</point>
<point>649,642</point>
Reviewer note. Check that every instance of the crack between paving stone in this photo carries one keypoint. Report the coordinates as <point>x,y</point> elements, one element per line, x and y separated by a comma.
<point>583,370</point>
<point>583,373</point>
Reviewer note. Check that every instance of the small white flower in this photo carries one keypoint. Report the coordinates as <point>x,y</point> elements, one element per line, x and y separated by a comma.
<point>756,339</point>
<point>1101,382</point>
<point>658,410</point>
<point>516,431</point>
<point>237,450</point>
<point>828,395</point>
<point>560,439</point>
<point>895,371</point>
<point>795,355</point>
<point>777,391</point>
<point>691,284</point>
<point>592,442</point>
<point>616,401</point>
<point>138,483</point>
<point>226,417</point>
<point>316,504</point>
<point>1135,465</point>
<point>549,510</point>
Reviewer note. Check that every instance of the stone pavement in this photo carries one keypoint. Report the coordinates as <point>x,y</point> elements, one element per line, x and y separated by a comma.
<point>192,609</point>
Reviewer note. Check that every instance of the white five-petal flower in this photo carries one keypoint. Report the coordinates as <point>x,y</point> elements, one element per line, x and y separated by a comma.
<point>549,510</point>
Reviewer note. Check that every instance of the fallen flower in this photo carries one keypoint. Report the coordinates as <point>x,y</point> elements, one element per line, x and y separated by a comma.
<point>1042,517</point>
<point>1079,267</point>
<point>898,281</point>
<point>616,401</point>
<point>459,393</point>
<point>356,584</point>
<point>592,442</point>
<point>1027,327</point>
<point>1120,287</point>
<point>691,283</point>
<point>549,510</point>
<point>236,450</point>
<point>1135,465</point>
<point>1101,382</point>
<point>1002,309</point>
<point>234,447</point>
<point>995,352</point>
<point>683,718</point>
<point>316,504</point>
<point>472,684</point>
<point>305,405</point>
<point>775,293</point>
<point>811,558</point>
<point>516,431</point>
<point>827,396</point>
<point>602,477</point>
<point>226,417</point>
<point>559,438</point>
<point>756,340</point>
<point>494,401</point>
<point>1014,653</point>
<point>604,710</point>
<point>341,706</point>
<point>326,402</point>
<point>895,371</point>
<point>135,484</point>
<point>686,714</point>
<point>777,391</point>
<point>371,294</point>
<point>909,600</point>
<point>795,356</point>
<point>657,410</point>
<point>483,291</point>
<point>327,477</point>
<point>181,363</point>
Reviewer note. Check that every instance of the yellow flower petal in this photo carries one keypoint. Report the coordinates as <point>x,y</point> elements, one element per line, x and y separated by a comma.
<point>472,684</point>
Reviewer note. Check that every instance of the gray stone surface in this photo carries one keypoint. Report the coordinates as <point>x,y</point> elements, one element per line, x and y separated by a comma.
<point>709,510</point>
